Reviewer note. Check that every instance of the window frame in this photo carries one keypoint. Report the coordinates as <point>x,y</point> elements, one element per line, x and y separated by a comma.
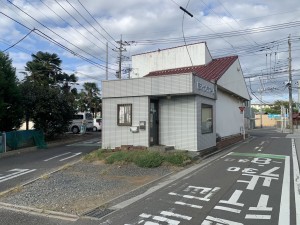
<point>211,129</point>
<point>125,123</point>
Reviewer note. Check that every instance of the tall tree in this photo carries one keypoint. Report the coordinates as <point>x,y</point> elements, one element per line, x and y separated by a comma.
<point>47,95</point>
<point>276,108</point>
<point>10,97</point>
<point>44,68</point>
<point>89,98</point>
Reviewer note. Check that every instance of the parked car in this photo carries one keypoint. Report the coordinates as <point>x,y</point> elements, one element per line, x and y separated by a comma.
<point>97,124</point>
<point>80,119</point>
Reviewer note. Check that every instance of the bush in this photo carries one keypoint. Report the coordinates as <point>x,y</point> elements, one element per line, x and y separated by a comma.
<point>142,158</point>
<point>116,157</point>
<point>178,159</point>
<point>149,159</point>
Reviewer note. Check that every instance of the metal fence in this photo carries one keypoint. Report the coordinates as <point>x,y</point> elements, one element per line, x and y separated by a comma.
<point>14,140</point>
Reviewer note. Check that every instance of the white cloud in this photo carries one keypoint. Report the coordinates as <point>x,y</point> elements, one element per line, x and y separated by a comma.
<point>155,20</point>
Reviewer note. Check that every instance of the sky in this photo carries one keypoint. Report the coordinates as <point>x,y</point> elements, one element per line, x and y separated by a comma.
<point>79,30</point>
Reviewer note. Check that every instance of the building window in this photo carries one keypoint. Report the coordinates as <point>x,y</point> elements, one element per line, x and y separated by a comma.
<point>124,114</point>
<point>206,119</point>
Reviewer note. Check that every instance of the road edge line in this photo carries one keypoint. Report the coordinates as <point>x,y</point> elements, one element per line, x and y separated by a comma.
<point>296,181</point>
<point>284,209</point>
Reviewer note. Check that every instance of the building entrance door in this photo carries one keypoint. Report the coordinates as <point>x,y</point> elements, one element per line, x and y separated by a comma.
<point>154,122</point>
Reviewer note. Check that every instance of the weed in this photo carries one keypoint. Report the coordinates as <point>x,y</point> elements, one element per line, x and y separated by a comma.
<point>46,176</point>
<point>149,159</point>
<point>177,159</point>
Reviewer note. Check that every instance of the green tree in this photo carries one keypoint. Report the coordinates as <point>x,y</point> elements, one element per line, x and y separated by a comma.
<point>44,68</point>
<point>10,97</point>
<point>89,98</point>
<point>276,108</point>
<point>48,99</point>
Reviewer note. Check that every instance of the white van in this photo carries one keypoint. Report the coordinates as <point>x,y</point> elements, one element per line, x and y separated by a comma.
<point>97,124</point>
<point>80,119</point>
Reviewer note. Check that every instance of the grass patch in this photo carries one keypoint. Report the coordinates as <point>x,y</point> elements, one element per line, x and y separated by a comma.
<point>177,158</point>
<point>142,158</point>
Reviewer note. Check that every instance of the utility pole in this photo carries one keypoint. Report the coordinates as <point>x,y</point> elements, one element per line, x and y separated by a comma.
<point>106,71</point>
<point>261,91</point>
<point>290,83</point>
<point>120,50</point>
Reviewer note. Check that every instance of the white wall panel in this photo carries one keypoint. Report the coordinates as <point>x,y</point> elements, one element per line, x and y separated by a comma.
<point>233,81</point>
<point>229,118</point>
<point>114,135</point>
<point>177,125</point>
<point>169,59</point>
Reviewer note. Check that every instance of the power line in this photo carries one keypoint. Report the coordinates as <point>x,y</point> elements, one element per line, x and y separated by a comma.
<point>45,36</point>
<point>53,31</point>
<point>79,22</point>
<point>90,23</point>
<point>96,21</point>
<point>76,30</point>
<point>222,34</point>
<point>19,40</point>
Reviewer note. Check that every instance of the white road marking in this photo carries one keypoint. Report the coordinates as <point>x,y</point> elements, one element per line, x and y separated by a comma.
<point>256,148</point>
<point>218,221</point>
<point>189,205</point>
<point>262,143</point>
<point>262,204</point>
<point>57,156</point>
<point>14,175</point>
<point>166,213</point>
<point>227,209</point>
<point>296,182</point>
<point>234,199</point>
<point>284,211</point>
<point>189,197</point>
<point>258,217</point>
<point>76,154</point>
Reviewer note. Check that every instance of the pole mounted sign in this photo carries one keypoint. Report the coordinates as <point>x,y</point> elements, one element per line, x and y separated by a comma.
<point>242,111</point>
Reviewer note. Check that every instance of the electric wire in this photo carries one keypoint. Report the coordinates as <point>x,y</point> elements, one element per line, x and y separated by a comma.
<point>76,30</point>
<point>90,24</point>
<point>96,21</point>
<point>19,40</point>
<point>54,31</point>
<point>182,23</point>
<point>45,36</point>
<point>218,35</point>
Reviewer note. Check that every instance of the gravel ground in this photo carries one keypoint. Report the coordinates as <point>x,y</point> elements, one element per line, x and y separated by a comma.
<point>83,186</point>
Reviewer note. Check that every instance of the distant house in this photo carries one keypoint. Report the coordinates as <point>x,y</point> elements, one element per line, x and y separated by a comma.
<point>262,106</point>
<point>171,102</point>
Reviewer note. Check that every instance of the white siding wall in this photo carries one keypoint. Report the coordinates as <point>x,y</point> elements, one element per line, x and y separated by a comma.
<point>114,135</point>
<point>151,86</point>
<point>205,140</point>
<point>233,80</point>
<point>169,58</point>
<point>177,122</point>
<point>228,116</point>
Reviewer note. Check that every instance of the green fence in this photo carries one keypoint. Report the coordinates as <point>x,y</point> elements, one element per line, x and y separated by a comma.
<point>25,138</point>
<point>1,146</point>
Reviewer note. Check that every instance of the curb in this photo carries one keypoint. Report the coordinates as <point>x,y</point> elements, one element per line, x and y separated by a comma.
<point>34,148</point>
<point>40,177</point>
<point>162,182</point>
<point>39,212</point>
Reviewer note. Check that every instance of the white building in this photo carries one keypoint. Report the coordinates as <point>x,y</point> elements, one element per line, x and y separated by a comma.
<point>169,102</point>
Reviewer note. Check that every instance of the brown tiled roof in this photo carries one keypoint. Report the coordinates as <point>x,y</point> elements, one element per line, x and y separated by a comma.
<point>212,71</point>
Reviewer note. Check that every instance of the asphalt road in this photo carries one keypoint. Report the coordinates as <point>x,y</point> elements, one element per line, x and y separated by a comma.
<point>19,169</point>
<point>256,182</point>
<point>252,184</point>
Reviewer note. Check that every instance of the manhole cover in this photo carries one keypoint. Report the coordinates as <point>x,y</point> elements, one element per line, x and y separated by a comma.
<point>98,212</point>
